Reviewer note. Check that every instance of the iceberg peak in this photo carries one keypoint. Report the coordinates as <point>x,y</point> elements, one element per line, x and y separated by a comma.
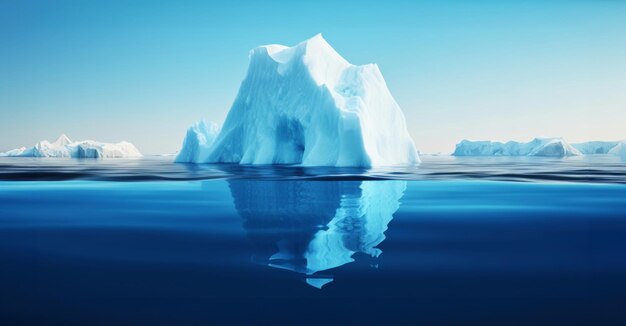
<point>62,141</point>
<point>308,105</point>
<point>323,64</point>
<point>312,47</point>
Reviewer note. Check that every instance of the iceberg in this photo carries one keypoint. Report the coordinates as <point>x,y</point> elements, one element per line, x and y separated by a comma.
<point>307,105</point>
<point>619,150</point>
<point>198,142</point>
<point>548,147</point>
<point>315,226</point>
<point>595,147</point>
<point>64,147</point>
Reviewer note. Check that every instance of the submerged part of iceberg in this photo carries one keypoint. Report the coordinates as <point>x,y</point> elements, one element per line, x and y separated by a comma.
<point>64,147</point>
<point>198,142</point>
<point>307,105</point>
<point>551,147</point>
<point>315,226</point>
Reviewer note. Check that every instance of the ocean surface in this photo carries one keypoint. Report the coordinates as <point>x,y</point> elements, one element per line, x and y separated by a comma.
<point>489,241</point>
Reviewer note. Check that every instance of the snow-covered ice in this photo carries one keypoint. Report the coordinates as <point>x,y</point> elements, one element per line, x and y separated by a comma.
<point>198,141</point>
<point>64,147</point>
<point>619,150</point>
<point>595,147</point>
<point>307,105</point>
<point>551,147</point>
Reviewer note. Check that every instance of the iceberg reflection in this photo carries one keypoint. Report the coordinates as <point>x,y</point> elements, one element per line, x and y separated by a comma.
<point>313,226</point>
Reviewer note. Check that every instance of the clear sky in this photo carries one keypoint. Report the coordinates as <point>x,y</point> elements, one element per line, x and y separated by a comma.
<point>143,71</point>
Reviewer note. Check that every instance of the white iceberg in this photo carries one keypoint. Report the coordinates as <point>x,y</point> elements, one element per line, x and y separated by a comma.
<point>198,142</point>
<point>64,147</point>
<point>307,105</point>
<point>549,147</point>
<point>619,150</point>
<point>595,147</point>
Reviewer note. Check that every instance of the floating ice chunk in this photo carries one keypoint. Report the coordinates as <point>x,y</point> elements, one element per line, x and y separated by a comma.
<point>64,147</point>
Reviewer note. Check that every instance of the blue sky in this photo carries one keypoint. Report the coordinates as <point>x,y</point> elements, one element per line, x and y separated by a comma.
<point>143,71</point>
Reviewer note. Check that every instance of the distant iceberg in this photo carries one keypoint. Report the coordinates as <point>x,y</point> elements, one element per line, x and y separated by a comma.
<point>619,150</point>
<point>307,105</point>
<point>596,147</point>
<point>64,147</point>
<point>548,147</point>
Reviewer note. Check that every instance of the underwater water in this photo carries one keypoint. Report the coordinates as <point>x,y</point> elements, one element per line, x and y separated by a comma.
<point>487,241</point>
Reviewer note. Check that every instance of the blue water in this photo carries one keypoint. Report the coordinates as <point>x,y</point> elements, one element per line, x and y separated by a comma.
<point>292,246</point>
